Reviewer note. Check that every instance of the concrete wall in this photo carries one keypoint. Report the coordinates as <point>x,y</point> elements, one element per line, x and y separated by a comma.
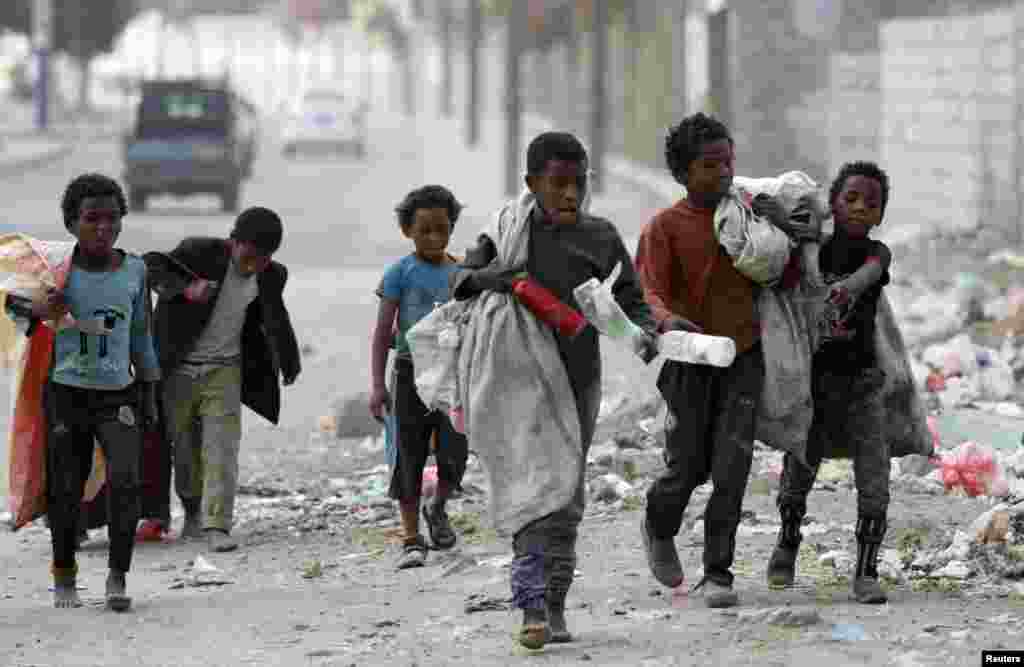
<point>947,133</point>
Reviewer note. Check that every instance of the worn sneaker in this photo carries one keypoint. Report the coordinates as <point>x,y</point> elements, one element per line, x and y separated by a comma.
<point>220,541</point>
<point>558,629</point>
<point>414,553</point>
<point>192,528</point>
<point>782,566</point>
<point>868,590</point>
<point>717,596</point>
<point>439,527</point>
<point>116,594</point>
<point>533,633</point>
<point>662,558</point>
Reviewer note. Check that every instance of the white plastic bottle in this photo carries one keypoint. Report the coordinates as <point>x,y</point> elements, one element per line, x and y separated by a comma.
<point>695,348</point>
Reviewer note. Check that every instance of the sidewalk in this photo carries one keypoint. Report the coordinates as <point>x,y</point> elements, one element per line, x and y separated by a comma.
<point>23,147</point>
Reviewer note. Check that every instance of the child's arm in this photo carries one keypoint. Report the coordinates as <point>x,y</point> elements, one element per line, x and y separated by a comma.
<point>170,275</point>
<point>655,270</point>
<point>875,267</point>
<point>143,352</point>
<point>382,336</point>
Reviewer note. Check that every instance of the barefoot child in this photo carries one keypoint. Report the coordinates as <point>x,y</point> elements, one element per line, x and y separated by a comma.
<point>534,394</point>
<point>846,381</point>
<point>91,393</point>
<point>409,290</point>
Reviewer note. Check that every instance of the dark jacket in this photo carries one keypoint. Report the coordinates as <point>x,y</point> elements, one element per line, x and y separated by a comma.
<point>269,346</point>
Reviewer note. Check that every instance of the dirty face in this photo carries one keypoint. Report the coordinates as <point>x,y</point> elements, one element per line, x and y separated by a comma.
<point>247,258</point>
<point>858,207</point>
<point>98,225</point>
<point>709,176</point>
<point>560,189</point>
<point>430,231</point>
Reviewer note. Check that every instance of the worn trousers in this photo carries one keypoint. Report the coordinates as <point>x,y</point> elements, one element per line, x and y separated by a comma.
<point>848,416</point>
<point>709,433</point>
<point>206,458</point>
<point>76,420</point>
<point>544,551</point>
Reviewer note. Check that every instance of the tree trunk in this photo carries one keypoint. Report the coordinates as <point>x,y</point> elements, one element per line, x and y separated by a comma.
<point>513,99</point>
<point>598,95</point>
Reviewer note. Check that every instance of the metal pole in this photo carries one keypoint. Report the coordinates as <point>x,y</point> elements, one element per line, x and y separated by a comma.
<point>473,99</point>
<point>445,15</point>
<point>513,99</point>
<point>42,32</point>
<point>598,94</point>
<point>1018,117</point>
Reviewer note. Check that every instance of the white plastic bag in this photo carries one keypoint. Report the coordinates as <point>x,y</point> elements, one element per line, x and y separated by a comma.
<point>759,249</point>
<point>434,342</point>
<point>598,305</point>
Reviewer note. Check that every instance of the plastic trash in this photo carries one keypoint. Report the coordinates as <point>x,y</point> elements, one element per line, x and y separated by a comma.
<point>848,632</point>
<point>599,306</point>
<point>549,308</point>
<point>458,418</point>
<point>429,487</point>
<point>975,470</point>
<point>694,348</point>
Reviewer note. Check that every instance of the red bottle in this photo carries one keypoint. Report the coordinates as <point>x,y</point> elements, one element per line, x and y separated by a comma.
<point>549,308</point>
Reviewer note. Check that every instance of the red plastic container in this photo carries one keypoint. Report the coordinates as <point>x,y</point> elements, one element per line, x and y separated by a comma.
<point>549,308</point>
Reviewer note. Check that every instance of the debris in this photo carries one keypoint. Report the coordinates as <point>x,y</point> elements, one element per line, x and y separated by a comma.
<point>992,526</point>
<point>313,570</point>
<point>353,419</point>
<point>848,632</point>
<point>610,488</point>
<point>952,570</point>
<point>838,559</point>
<point>783,616</point>
<point>478,602</point>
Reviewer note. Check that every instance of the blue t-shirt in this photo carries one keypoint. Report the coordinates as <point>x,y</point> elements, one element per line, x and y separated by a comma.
<point>104,362</point>
<point>417,286</point>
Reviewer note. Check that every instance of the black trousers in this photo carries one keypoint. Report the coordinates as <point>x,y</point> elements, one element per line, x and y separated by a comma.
<point>76,418</point>
<point>414,425</point>
<point>709,433</point>
<point>848,414</point>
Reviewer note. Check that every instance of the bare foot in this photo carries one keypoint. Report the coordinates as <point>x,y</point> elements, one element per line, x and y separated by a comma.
<point>65,596</point>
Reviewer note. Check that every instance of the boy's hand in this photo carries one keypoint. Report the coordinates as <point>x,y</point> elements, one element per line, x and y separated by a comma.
<point>646,347</point>
<point>379,402</point>
<point>201,290</point>
<point>839,295</point>
<point>52,306</point>
<point>496,278</point>
<point>680,324</point>
<point>769,207</point>
<point>289,379</point>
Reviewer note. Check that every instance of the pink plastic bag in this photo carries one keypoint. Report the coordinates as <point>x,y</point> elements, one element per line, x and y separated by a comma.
<point>429,487</point>
<point>933,428</point>
<point>975,469</point>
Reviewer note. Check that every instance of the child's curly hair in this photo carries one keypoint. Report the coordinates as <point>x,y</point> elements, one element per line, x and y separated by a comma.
<point>683,142</point>
<point>429,196</point>
<point>90,185</point>
<point>859,168</point>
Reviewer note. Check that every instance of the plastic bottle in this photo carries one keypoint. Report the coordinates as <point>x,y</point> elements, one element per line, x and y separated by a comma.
<point>549,308</point>
<point>695,348</point>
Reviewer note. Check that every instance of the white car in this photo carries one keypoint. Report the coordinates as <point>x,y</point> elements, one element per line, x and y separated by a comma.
<point>326,121</point>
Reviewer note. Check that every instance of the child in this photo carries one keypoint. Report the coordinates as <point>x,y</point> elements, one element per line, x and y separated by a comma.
<point>846,381</point>
<point>225,340</point>
<point>712,412</point>
<point>566,246</point>
<point>91,393</point>
<point>409,290</point>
